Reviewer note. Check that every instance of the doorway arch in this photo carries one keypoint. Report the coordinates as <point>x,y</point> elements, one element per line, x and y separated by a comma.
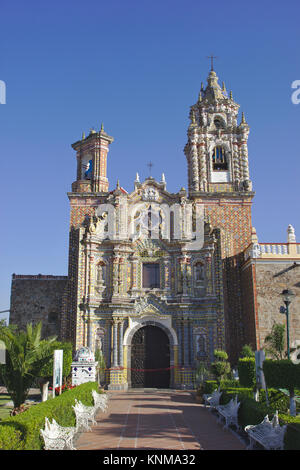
<point>148,338</point>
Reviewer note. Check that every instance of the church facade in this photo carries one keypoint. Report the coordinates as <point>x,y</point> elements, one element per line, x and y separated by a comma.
<point>159,280</point>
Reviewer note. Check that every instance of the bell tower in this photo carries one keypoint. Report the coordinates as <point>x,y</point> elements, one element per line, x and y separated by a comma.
<point>217,151</point>
<point>218,179</point>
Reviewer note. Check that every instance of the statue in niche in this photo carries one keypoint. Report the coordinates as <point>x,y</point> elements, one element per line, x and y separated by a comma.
<point>89,170</point>
<point>199,272</point>
<point>247,185</point>
<point>99,339</point>
<point>200,344</point>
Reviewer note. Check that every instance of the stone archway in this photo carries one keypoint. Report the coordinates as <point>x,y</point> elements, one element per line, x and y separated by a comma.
<point>165,341</point>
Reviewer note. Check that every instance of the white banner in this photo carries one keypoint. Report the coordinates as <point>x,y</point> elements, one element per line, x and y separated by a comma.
<point>2,352</point>
<point>57,369</point>
<point>259,360</point>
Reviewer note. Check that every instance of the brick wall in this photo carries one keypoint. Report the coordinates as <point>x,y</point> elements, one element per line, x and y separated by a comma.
<point>233,218</point>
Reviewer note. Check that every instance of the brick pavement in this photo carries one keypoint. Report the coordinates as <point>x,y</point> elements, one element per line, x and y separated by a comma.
<point>157,419</point>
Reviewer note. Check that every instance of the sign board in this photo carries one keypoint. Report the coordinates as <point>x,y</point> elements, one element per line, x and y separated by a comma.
<point>260,378</point>
<point>2,352</point>
<point>57,369</point>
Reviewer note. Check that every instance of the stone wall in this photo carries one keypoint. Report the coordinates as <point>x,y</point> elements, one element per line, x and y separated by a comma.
<point>37,298</point>
<point>272,277</point>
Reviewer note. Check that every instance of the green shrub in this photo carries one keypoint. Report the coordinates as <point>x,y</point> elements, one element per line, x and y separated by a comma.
<point>282,374</point>
<point>229,383</point>
<point>22,432</point>
<point>247,372</point>
<point>277,400</point>
<point>221,368</point>
<point>229,393</point>
<point>247,351</point>
<point>292,434</point>
<point>251,412</point>
<point>210,386</point>
<point>11,436</point>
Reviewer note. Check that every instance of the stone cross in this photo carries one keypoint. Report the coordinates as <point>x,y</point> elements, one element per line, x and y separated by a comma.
<point>211,57</point>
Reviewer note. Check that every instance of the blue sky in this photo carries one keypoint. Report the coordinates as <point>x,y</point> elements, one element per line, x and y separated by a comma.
<point>137,67</point>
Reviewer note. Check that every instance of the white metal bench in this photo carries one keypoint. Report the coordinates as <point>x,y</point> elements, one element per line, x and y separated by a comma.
<point>57,437</point>
<point>100,400</point>
<point>229,412</point>
<point>212,400</point>
<point>84,415</point>
<point>268,433</point>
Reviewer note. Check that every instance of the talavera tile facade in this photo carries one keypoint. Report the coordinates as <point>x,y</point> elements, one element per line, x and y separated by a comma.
<point>212,284</point>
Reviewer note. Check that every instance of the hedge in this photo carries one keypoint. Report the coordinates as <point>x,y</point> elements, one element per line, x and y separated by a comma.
<point>230,393</point>
<point>292,434</point>
<point>22,432</point>
<point>247,371</point>
<point>282,374</point>
<point>253,412</point>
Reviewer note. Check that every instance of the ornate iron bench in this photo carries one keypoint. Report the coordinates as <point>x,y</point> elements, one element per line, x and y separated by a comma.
<point>268,433</point>
<point>212,400</point>
<point>84,415</point>
<point>57,437</point>
<point>229,412</point>
<point>100,400</point>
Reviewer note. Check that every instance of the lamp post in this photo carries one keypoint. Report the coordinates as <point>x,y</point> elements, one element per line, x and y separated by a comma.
<point>287,296</point>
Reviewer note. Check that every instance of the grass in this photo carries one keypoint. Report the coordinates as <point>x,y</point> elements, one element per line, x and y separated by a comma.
<point>4,410</point>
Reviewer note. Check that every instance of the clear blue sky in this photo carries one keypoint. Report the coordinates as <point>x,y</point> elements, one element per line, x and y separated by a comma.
<point>137,67</point>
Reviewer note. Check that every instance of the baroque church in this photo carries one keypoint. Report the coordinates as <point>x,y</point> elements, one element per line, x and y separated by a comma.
<point>159,280</point>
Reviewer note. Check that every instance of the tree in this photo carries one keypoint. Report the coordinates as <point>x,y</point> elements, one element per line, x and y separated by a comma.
<point>101,365</point>
<point>220,368</point>
<point>247,351</point>
<point>275,341</point>
<point>201,373</point>
<point>26,354</point>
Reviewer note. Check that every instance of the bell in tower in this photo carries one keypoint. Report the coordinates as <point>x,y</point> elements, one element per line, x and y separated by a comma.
<point>92,162</point>
<point>217,150</point>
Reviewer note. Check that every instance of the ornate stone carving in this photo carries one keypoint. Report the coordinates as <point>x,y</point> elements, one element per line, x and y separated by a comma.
<point>150,194</point>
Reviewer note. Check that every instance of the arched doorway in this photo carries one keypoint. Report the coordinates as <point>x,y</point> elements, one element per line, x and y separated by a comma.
<point>150,358</point>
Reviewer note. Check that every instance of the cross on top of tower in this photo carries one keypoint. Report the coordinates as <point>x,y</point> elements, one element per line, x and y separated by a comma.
<point>150,165</point>
<point>212,57</point>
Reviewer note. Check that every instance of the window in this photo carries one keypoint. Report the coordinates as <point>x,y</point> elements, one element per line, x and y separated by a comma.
<point>219,159</point>
<point>151,278</point>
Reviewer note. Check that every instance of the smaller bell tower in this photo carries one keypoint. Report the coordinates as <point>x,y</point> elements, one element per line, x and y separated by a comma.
<point>217,150</point>
<point>92,162</point>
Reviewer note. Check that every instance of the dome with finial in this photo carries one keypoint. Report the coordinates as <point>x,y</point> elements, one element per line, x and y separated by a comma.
<point>213,90</point>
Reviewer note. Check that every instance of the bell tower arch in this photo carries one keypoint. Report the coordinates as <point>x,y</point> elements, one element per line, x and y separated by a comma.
<point>92,162</point>
<point>217,150</point>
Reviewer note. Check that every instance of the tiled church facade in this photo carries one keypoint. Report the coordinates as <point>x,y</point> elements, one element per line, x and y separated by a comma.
<point>215,285</point>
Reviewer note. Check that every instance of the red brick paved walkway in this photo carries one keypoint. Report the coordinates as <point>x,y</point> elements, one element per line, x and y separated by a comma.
<point>157,420</point>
